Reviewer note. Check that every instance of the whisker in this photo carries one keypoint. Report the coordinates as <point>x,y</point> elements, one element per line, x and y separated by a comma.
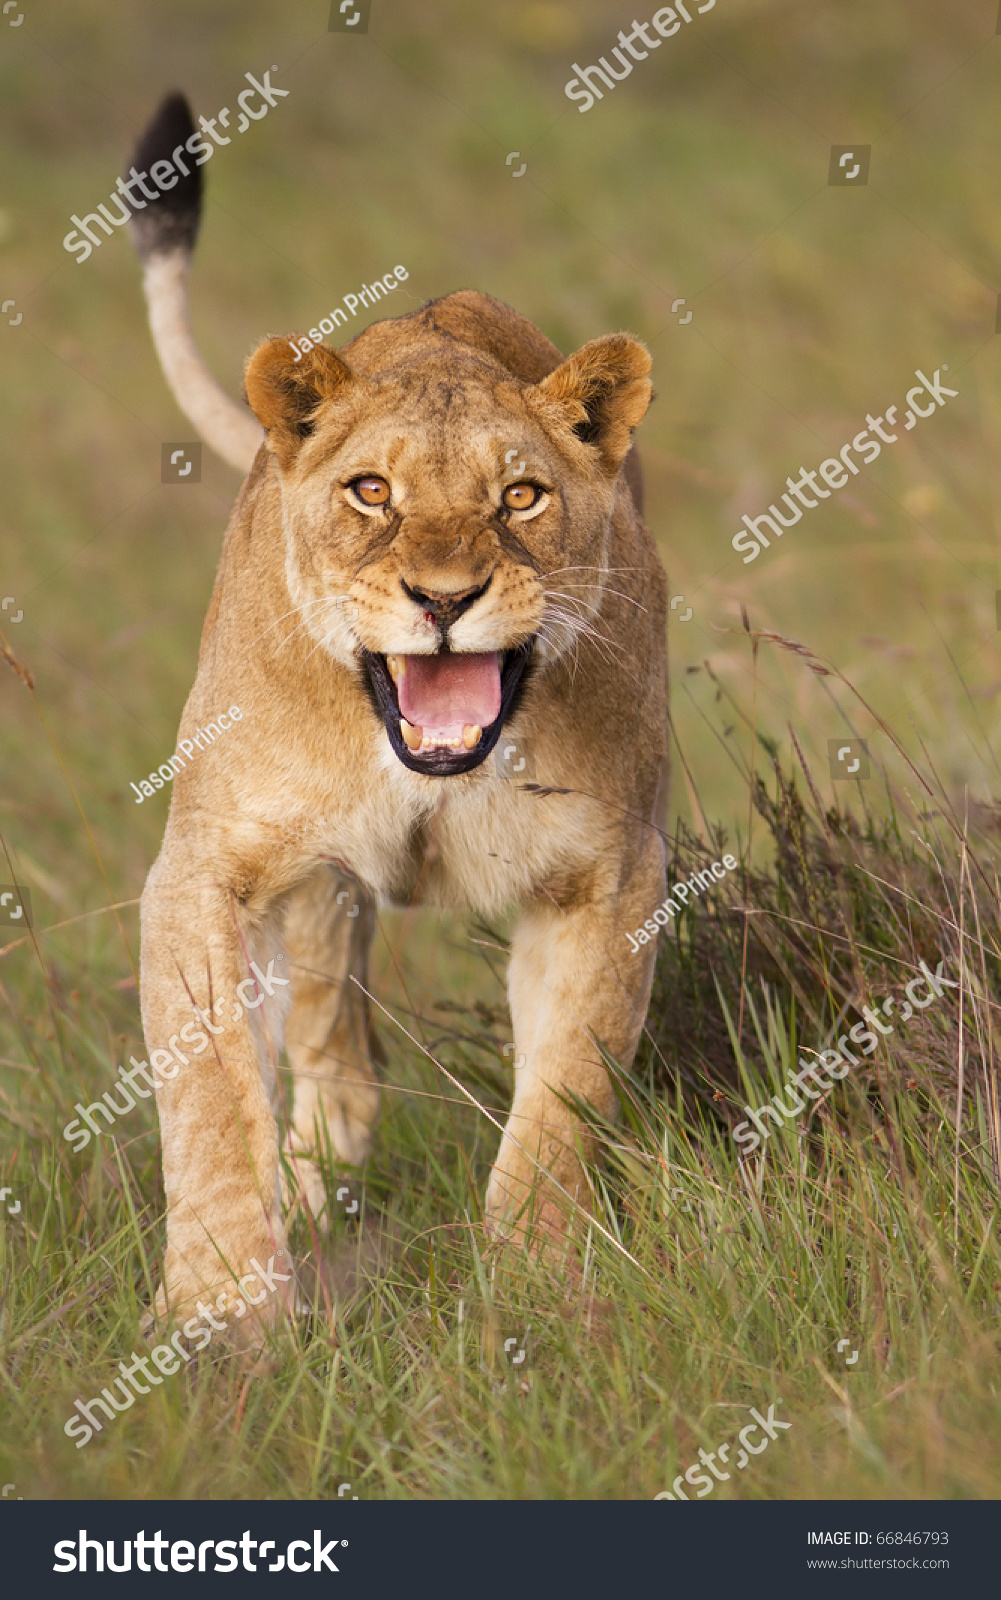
<point>578,625</point>
<point>321,645</point>
<point>557,570</point>
<point>606,590</point>
<point>294,611</point>
<point>328,600</point>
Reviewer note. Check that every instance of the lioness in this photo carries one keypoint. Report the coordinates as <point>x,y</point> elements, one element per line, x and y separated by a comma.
<point>439,544</point>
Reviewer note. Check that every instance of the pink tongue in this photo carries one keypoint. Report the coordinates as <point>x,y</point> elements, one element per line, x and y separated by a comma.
<point>444,692</point>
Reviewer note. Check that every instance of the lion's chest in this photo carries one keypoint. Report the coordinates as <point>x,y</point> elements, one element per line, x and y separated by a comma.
<point>481,847</point>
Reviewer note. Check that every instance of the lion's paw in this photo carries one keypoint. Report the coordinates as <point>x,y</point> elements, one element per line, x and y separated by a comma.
<point>238,1313</point>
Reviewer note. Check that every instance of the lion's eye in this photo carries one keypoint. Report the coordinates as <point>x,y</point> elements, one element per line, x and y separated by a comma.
<point>371,491</point>
<point>521,496</point>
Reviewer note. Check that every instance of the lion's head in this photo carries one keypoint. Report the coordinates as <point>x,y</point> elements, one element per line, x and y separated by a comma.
<point>447,488</point>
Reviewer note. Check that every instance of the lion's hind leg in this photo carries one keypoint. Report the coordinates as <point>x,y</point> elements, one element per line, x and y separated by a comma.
<point>328,929</point>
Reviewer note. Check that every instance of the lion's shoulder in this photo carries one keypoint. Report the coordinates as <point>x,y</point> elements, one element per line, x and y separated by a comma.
<point>472,319</point>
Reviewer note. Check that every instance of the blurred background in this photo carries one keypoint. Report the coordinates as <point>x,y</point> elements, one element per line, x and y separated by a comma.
<point>703,178</point>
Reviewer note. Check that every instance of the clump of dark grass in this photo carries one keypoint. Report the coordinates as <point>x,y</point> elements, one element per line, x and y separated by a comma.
<point>834,909</point>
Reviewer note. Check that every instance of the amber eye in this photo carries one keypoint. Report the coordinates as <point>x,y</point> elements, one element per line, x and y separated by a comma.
<point>371,491</point>
<point>521,496</point>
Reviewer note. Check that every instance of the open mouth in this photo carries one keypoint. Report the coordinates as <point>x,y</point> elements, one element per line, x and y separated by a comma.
<point>444,713</point>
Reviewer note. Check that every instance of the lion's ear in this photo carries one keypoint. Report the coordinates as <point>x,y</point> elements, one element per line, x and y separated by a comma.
<point>284,392</point>
<point>601,393</point>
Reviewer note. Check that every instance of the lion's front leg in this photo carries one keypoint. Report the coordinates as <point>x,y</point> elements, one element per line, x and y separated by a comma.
<point>571,979</point>
<point>212,987</point>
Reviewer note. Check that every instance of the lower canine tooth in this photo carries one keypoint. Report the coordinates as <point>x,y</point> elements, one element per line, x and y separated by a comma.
<point>471,735</point>
<point>411,736</point>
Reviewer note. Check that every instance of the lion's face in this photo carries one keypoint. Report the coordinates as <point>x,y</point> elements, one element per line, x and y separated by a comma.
<point>446,526</point>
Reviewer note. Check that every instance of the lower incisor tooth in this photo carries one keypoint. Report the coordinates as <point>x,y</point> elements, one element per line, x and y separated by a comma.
<point>411,736</point>
<point>471,735</point>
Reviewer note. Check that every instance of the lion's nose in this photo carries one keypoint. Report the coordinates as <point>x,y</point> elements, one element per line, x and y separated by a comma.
<point>445,608</point>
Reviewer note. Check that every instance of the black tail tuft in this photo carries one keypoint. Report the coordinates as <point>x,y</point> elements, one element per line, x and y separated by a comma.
<point>170,222</point>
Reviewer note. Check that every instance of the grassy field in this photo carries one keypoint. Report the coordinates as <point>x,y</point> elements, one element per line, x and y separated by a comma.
<point>712,1285</point>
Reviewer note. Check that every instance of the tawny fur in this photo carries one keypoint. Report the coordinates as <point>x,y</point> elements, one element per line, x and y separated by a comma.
<point>266,824</point>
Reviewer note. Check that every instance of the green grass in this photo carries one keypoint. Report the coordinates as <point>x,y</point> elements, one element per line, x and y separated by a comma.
<point>704,176</point>
<point>711,1284</point>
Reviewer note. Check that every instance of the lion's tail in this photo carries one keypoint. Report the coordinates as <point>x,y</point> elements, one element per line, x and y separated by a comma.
<point>164,233</point>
